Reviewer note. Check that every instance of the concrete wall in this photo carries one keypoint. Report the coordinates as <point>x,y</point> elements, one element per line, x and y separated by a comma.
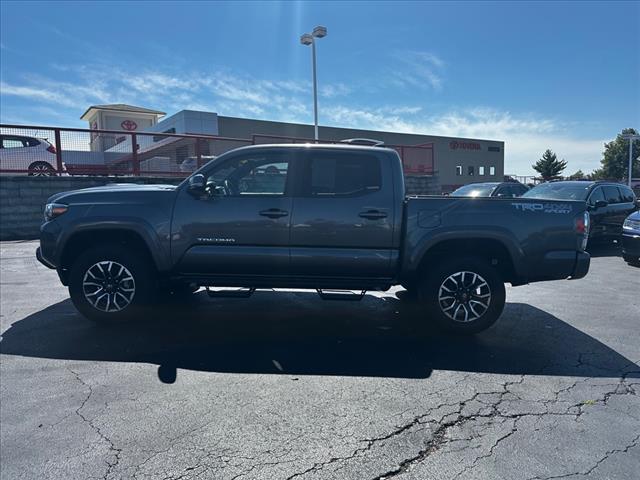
<point>22,199</point>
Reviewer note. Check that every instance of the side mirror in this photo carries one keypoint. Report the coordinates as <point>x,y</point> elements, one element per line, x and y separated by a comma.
<point>197,184</point>
<point>601,203</point>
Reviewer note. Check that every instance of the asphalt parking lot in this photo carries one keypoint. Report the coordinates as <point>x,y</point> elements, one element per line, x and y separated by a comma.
<point>284,385</point>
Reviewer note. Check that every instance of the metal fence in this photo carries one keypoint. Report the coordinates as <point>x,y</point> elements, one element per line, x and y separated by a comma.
<point>45,151</point>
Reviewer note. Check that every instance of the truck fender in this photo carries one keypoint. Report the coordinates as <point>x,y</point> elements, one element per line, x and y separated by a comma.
<point>138,226</point>
<point>423,246</point>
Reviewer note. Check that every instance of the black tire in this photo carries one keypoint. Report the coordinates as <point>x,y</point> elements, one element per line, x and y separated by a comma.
<point>41,169</point>
<point>631,260</point>
<point>83,283</point>
<point>478,279</point>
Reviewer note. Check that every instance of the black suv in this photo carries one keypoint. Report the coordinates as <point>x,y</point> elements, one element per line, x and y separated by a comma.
<point>608,203</point>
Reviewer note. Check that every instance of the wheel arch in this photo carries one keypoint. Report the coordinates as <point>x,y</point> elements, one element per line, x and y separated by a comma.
<point>83,239</point>
<point>493,250</point>
<point>32,164</point>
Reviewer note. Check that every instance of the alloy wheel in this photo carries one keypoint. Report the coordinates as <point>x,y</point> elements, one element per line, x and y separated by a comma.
<point>464,296</point>
<point>41,170</point>
<point>108,286</point>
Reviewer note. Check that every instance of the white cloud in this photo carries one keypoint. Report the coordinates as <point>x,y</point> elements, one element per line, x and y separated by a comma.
<point>333,90</point>
<point>418,69</point>
<point>526,136</point>
<point>38,94</point>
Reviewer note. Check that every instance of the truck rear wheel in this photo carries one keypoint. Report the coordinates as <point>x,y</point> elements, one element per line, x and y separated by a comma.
<point>109,284</point>
<point>464,295</point>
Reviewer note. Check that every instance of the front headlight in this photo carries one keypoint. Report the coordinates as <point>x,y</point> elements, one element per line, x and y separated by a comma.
<point>631,224</point>
<point>53,210</point>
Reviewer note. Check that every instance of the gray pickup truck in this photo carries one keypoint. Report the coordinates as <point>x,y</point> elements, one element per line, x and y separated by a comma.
<point>325,217</point>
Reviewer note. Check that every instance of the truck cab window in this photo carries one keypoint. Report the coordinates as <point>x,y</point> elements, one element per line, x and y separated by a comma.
<point>339,174</point>
<point>264,175</point>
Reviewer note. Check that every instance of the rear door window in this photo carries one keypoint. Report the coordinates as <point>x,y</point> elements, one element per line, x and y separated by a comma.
<point>339,174</point>
<point>612,194</point>
<point>627,194</point>
<point>13,142</point>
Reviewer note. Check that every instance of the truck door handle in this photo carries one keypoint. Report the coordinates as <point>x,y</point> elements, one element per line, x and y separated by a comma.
<point>274,213</point>
<point>373,214</point>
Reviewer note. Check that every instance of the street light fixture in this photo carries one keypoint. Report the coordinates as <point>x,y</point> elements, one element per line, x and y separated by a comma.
<point>631,137</point>
<point>310,39</point>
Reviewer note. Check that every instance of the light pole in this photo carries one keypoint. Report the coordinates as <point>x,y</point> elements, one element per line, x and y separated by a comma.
<point>631,137</point>
<point>310,39</point>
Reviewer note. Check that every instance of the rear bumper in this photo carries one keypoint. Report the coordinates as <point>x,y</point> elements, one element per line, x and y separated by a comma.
<point>559,265</point>
<point>583,260</point>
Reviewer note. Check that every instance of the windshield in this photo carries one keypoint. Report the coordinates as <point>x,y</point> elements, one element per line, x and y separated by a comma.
<point>475,190</point>
<point>559,191</point>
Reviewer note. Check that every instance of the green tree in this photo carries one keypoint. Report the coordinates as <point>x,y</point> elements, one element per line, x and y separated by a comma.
<point>549,167</point>
<point>579,175</point>
<point>615,158</point>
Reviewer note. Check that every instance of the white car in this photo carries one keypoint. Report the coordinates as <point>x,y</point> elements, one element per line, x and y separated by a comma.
<point>34,156</point>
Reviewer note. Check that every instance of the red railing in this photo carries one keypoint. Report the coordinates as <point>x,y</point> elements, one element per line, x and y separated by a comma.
<point>37,150</point>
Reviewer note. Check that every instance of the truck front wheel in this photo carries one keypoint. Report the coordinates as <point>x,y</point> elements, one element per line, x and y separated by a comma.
<point>464,295</point>
<point>110,283</point>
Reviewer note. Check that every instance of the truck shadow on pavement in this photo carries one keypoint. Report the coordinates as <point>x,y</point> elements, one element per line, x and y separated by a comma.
<point>295,333</point>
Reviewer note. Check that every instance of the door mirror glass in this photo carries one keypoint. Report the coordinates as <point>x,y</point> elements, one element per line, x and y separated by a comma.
<point>600,203</point>
<point>196,184</point>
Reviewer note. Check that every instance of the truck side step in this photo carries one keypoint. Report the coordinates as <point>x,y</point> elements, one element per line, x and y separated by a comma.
<point>346,295</point>
<point>231,292</point>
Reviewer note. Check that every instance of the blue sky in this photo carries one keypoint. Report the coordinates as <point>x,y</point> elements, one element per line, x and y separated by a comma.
<point>564,76</point>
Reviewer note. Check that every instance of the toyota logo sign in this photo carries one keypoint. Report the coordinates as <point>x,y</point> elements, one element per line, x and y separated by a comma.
<point>454,145</point>
<point>129,125</point>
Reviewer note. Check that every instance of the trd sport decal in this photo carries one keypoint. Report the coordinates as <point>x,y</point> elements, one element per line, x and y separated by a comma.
<point>543,207</point>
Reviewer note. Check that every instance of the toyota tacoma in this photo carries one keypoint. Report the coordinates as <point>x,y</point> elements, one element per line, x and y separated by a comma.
<point>326,217</point>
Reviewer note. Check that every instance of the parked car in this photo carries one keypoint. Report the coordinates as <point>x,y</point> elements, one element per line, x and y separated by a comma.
<point>306,216</point>
<point>609,203</point>
<point>490,189</point>
<point>631,239</point>
<point>34,156</point>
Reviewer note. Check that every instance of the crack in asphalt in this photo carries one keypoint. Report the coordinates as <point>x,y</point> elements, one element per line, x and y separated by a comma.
<point>439,431</point>
<point>442,428</point>
<point>95,428</point>
<point>591,469</point>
